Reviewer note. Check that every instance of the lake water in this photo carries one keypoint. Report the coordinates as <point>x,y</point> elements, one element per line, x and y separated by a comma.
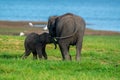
<point>99,14</point>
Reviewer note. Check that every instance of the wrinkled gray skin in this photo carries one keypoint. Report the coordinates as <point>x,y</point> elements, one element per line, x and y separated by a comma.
<point>68,29</point>
<point>36,44</point>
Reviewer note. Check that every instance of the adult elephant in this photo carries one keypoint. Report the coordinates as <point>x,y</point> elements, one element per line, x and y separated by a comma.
<point>67,29</point>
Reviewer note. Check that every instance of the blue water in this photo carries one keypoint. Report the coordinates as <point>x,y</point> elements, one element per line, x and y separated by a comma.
<point>99,14</point>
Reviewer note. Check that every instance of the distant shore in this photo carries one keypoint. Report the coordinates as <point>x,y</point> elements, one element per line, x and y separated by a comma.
<point>15,27</point>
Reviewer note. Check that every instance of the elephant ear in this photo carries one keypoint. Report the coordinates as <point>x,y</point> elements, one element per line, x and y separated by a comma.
<point>52,25</point>
<point>51,21</point>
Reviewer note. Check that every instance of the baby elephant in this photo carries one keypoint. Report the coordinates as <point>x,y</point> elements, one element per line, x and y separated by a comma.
<point>36,44</point>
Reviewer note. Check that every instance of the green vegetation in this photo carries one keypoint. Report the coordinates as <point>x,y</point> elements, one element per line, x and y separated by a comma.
<point>100,60</point>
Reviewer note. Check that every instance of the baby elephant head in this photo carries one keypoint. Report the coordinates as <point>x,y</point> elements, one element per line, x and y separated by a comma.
<point>50,39</point>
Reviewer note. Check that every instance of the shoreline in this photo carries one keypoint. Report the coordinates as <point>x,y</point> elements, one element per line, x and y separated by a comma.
<point>15,27</point>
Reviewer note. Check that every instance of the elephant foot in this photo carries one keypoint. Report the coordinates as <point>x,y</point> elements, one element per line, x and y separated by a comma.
<point>45,58</point>
<point>68,58</point>
<point>77,58</point>
<point>34,58</point>
<point>23,57</point>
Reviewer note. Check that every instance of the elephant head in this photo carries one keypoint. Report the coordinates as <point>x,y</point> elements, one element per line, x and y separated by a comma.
<point>49,39</point>
<point>51,25</point>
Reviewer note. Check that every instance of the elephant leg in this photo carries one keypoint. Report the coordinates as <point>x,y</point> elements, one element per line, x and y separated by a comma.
<point>68,52</point>
<point>63,57</point>
<point>65,51</point>
<point>78,49</point>
<point>34,54</point>
<point>26,53</point>
<point>44,53</point>
<point>39,52</point>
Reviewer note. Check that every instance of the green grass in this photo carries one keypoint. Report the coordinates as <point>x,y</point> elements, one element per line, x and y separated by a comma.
<point>100,60</point>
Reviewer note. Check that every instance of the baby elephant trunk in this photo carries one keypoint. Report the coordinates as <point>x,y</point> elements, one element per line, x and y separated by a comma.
<point>52,40</point>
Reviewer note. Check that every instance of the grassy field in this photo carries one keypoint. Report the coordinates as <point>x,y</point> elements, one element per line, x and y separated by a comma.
<point>100,60</point>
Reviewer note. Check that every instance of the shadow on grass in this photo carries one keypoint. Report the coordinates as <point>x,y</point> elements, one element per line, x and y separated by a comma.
<point>8,56</point>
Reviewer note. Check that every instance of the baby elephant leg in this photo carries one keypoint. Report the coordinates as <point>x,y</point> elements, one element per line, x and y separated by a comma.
<point>34,54</point>
<point>26,54</point>
<point>44,53</point>
<point>39,53</point>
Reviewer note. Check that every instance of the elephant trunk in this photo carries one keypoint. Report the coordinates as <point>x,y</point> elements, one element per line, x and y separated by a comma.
<point>55,43</point>
<point>52,40</point>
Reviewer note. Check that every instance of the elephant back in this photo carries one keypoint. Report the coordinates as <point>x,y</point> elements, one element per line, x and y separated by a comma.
<point>69,25</point>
